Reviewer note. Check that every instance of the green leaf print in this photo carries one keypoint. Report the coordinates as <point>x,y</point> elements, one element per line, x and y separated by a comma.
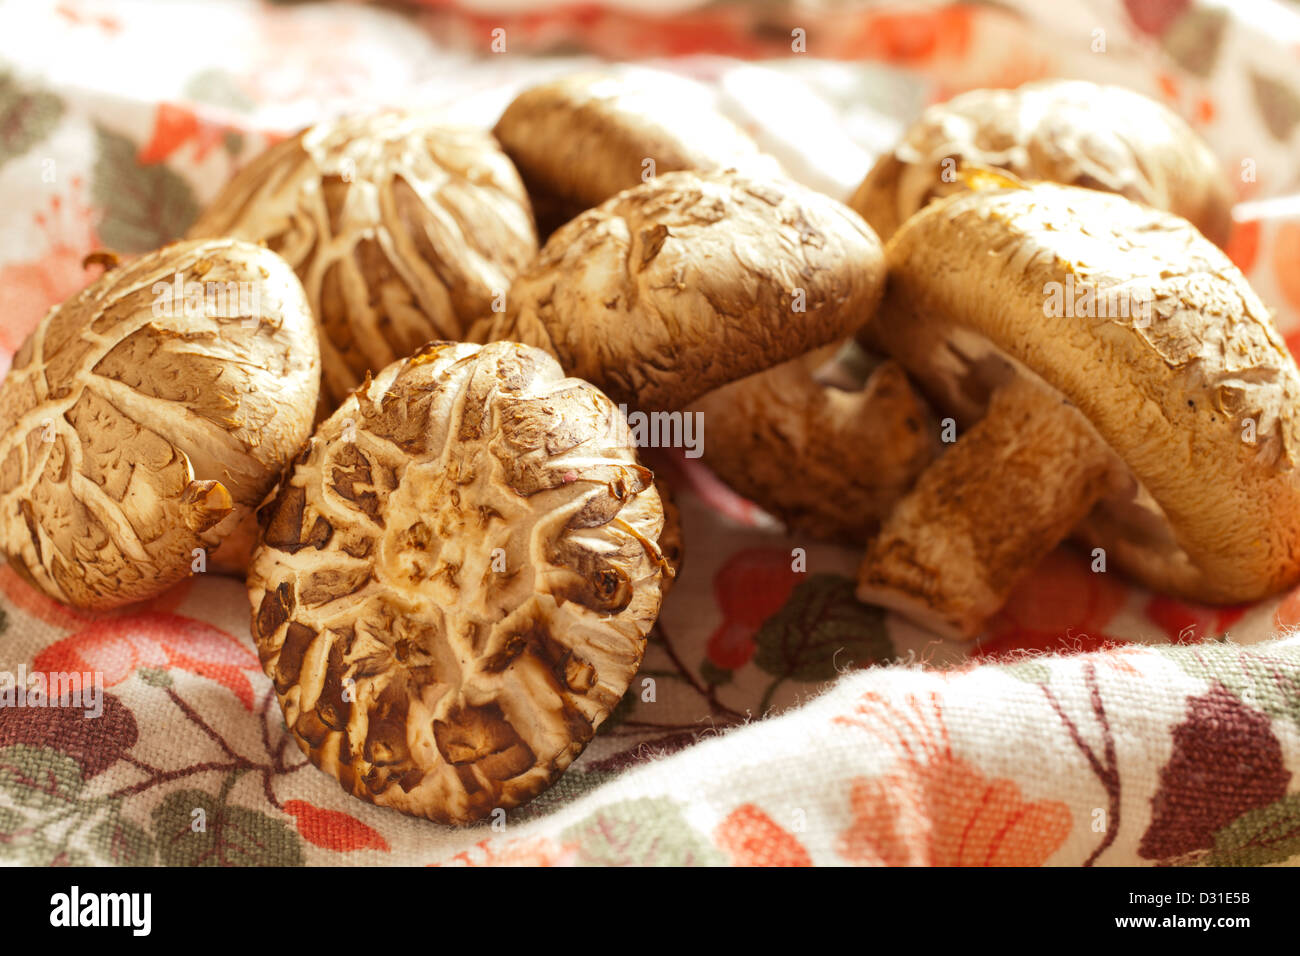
<point>229,836</point>
<point>145,206</point>
<point>1268,834</point>
<point>26,117</point>
<point>1279,105</point>
<point>648,831</point>
<point>1194,40</point>
<point>39,777</point>
<point>1267,680</point>
<point>821,631</point>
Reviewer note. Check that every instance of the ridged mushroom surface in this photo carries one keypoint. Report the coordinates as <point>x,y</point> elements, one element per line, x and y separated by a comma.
<point>1066,131</point>
<point>402,231</point>
<point>456,580</point>
<point>137,426</point>
<point>680,285</point>
<point>1167,357</point>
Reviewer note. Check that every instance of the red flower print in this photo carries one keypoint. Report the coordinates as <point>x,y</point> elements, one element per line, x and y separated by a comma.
<point>752,586</point>
<point>538,851</point>
<point>1169,86</point>
<point>1154,17</point>
<point>936,809</point>
<point>1243,244</point>
<point>174,126</point>
<point>334,830</point>
<point>1287,615</point>
<point>1187,623</point>
<point>752,838</point>
<point>118,646</point>
<point>1286,262</point>
<point>75,15</point>
<point>1061,605</point>
<point>913,38</point>
<point>28,289</point>
<point>31,601</point>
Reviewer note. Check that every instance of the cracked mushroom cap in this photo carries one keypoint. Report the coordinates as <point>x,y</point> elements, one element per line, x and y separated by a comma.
<point>137,425</point>
<point>693,280</point>
<point>1194,395</point>
<point>468,545</point>
<point>827,461</point>
<point>1065,131</point>
<point>584,137</point>
<point>402,231</point>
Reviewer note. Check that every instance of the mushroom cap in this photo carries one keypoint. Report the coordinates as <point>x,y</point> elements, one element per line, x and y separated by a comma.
<point>402,231</point>
<point>1066,131</point>
<point>583,137</point>
<point>137,426</point>
<point>468,544</point>
<point>692,280</point>
<point>827,461</point>
<point>978,293</point>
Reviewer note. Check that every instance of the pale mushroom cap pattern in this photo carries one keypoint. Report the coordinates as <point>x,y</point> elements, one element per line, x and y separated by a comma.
<point>584,137</point>
<point>137,425</point>
<point>1177,392</point>
<point>673,288</point>
<point>469,545</point>
<point>1067,131</point>
<point>402,231</point>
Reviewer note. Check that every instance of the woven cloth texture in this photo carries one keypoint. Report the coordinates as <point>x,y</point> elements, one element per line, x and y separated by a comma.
<point>776,721</point>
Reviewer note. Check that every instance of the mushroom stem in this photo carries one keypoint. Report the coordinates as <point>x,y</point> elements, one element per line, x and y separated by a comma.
<point>987,511</point>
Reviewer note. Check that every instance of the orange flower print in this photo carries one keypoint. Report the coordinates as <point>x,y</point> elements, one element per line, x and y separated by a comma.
<point>1286,262</point>
<point>912,38</point>
<point>752,586</point>
<point>26,598</point>
<point>1186,623</point>
<point>936,809</point>
<point>30,288</point>
<point>752,838</point>
<point>333,829</point>
<point>1243,245</point>
<point>174,126</point>
<point>1060,606</point>
<point>117,647</point>
<point>538,851</point>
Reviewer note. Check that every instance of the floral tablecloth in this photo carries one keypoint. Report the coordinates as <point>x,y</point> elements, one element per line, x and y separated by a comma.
<point>776,720</point>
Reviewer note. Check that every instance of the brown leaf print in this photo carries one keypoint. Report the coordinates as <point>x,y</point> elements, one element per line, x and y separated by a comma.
<point>96,743</point>
<point>1226,761</point>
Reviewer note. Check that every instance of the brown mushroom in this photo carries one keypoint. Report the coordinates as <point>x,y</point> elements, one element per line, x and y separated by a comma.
<point>1122,380</point>
<point>579,140</point>
<point>456,580</point>
<point>145,417</point>
<point>829,461</point>
<point>1066,131</point>
<point>402,231</point>
<point>582,138</point>
<point>680,285</point>
<point>671,542</point>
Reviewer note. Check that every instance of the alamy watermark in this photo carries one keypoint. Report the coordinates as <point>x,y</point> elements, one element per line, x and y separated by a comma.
<point>659,430</point>
<point>1084,300</point>
<point>133,911</point>
<point>75,689</point>
<point>223,300</point>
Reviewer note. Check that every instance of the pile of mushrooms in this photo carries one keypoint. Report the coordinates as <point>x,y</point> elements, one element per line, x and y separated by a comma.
<point>411,434</point>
